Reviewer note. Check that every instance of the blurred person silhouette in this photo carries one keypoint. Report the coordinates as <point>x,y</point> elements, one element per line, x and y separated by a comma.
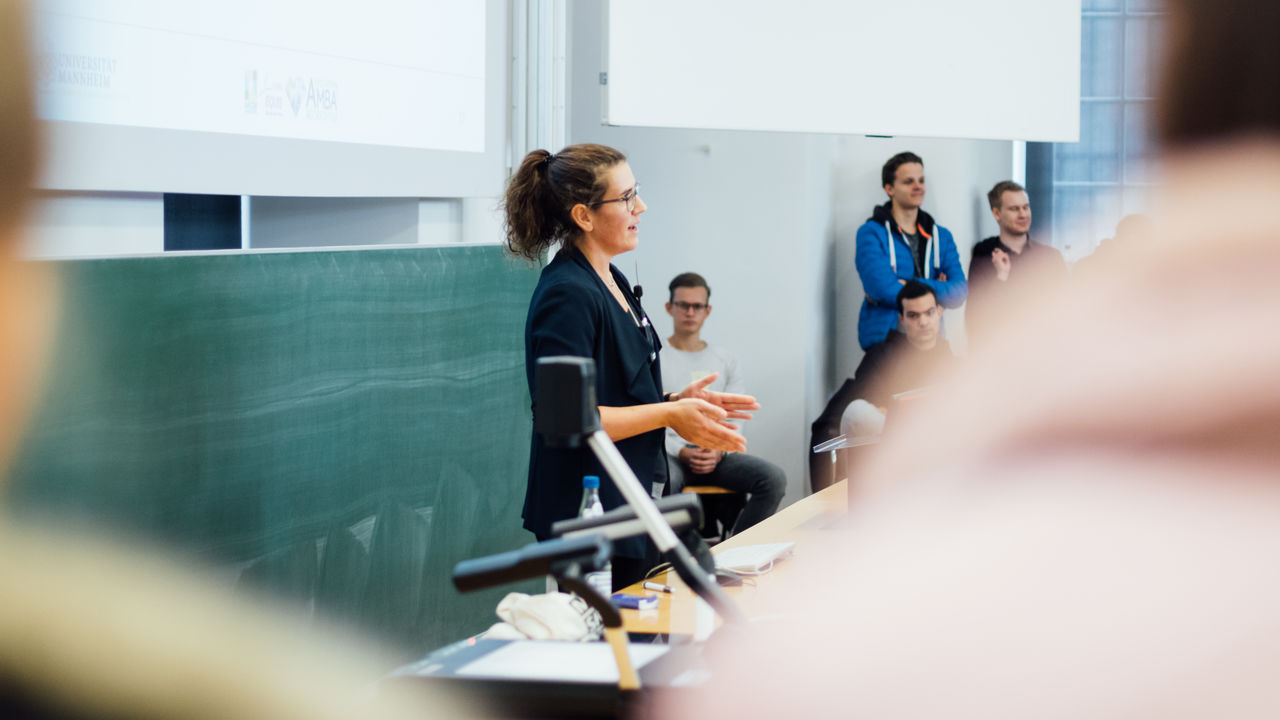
<point>1131,228</point>
<point>1093,530</point>
<point>90,628</point>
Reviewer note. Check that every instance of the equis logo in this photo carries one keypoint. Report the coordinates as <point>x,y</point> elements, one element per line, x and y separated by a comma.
<point>296,90</point>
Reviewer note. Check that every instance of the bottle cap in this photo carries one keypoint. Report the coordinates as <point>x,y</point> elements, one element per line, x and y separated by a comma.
<point>590,481</point>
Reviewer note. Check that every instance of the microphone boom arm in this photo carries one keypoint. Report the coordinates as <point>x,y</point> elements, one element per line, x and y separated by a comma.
<point>663,536</point>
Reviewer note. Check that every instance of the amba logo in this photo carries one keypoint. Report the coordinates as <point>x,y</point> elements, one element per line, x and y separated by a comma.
<point>322,96</point>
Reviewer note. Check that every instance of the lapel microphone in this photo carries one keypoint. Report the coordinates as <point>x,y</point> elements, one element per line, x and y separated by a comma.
<point>636,289</point>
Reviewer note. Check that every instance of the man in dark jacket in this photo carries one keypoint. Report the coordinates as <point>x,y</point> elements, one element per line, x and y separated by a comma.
<point>1002,260</point>
<point>908,359</point>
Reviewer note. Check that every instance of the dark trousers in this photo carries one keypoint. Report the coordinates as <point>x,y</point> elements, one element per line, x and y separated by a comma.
<point>761,482</point>
<point>826,427</point>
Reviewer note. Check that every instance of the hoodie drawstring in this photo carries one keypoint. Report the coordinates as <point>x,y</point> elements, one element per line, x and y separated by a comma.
<point>931,251</point>
<point>893,261</point>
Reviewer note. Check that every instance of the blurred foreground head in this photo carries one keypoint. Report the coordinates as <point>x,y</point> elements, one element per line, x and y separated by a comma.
<point>27,294</point>
<point>18,153</point>
<point>1216,82</point>
<point>1087,533</point>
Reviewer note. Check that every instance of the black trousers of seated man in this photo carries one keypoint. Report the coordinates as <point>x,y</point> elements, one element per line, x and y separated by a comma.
<point>822,472</point>
<point>761,482</point>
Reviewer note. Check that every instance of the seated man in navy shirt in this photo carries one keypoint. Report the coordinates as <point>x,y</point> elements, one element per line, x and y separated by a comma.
<point>910,358</point>
<point>1001,262</point>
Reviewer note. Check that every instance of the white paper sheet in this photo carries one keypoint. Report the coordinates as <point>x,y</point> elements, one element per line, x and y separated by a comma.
<point>563,661</point>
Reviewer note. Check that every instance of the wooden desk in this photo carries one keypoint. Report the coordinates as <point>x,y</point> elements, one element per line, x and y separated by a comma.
<point>804,522</point>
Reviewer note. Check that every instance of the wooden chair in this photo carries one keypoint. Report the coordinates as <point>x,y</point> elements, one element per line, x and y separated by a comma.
<point>720,510</point>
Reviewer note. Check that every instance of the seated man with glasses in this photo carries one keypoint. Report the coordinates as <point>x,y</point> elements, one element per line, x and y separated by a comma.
<point>688,358</point>
<point>910,358</point>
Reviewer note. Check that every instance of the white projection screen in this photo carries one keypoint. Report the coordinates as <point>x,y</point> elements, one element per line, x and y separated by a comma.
<point>982,69</point>
<point>270,97</point>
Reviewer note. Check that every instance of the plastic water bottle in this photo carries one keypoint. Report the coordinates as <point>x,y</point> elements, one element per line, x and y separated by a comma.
<point>601,580</point>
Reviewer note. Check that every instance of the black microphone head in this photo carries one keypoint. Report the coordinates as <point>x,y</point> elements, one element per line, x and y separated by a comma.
<point>565,409</point>
<point>550,557</point>
<point>637,291</point>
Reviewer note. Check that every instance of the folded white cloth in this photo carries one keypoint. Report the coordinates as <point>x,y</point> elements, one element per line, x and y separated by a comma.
<point>550,616</point>
<point>503,631</point>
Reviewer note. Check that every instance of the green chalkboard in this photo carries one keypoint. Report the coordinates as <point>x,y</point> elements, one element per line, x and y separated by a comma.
<point>335,427</point>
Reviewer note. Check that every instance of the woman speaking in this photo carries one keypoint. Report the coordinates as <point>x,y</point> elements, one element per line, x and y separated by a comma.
<point>585,197</point>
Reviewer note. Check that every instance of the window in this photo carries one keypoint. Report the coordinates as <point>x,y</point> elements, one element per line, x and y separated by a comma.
<point>1079,191</point>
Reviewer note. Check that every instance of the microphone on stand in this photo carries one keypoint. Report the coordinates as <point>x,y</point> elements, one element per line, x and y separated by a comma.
<point>567,417</point>
<point>532,561</point>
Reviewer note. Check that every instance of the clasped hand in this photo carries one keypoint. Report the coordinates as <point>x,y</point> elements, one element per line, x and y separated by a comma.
<point>700,460</point>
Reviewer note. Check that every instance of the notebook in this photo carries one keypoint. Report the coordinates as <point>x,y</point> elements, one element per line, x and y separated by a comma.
<point>753,558</point>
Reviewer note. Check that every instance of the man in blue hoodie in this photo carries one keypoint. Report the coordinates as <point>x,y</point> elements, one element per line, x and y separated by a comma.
<point>901,242</point>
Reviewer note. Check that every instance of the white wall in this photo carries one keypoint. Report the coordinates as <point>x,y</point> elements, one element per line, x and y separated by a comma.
<point>769,219</point>
<point>68,225</point>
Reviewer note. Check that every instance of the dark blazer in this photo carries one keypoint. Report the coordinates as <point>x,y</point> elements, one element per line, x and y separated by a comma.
<point>573,313</point>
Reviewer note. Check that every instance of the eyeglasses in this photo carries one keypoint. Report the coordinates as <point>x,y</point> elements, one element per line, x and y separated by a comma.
<point>629,197</point>
<point>686,307</point>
